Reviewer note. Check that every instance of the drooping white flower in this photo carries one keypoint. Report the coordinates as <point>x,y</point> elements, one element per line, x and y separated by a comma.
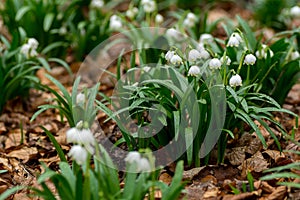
<point>235,80</point>
<point>215,63</point>
<point>148,5</point>
<point>194,71</point>
<point>295,11</point>
<point>86,137</point>
<point>169,55</point>
<point>206,38</point>
<point>234,40</point>
<point>226,60</point>
<point>131,13</point>
<point>204,54</point>
<point>174,34</point>
<point>144,165</point>
<point>81,136</point>
<point>133,156</point>
<point>263,52</point>
<point>250,59</point>
<point>194,55</point>
<point>72,135</point>
<point>115,23</point>
<point>79,154</point>
<point>190,20</point>
<point>80,98</point>
<point>25,48</point>
<point>159,19</point>
<point>176,60</point>
<point>295,55</point>
<point>33,43</point>
<point>97,4</point>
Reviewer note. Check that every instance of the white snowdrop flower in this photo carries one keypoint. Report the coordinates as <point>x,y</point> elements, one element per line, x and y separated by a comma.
<point>263,52</point>
<point>206,38</point>
<point>131,13</point>
<point>174,34</point>
<point>97,4</point>
<point>62,31</point>
<point>159,19</point>
<point>204,54</point>
<point>226,60</point>
<point>33,43</point>
<point>250,59</point>
<point>133,156</point>
<point>169,55</point>
<point>147,68</point>
<point>234,40</point>
<point>28,51</point>
<point>188,23</point>
<point>33,53</point>
<point>191,17</point>
<point>215,63</point>
<point>148,5</point>
<point>190,20</point>
<point>235,80</point>
<point>193,55</point>
<point>73,135</point>
<point>295,55</point>
<point>176,60</point>
<point>86,137</point>
<point>115,23</point>
<point>295,11</point>
<point>80,98</point>
<point>144,165</point>
<point>79,154</point>
<point>194,71</point>
<point>200,47</point>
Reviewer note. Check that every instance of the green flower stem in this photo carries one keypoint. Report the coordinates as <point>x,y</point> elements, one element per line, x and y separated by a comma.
<point>241,62</point>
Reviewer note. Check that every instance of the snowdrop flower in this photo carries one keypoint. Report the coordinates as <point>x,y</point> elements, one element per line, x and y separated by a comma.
<point>169,55</point>
<point>78,153</point>
<point>215,63</point>
<point>86,137</point>
<point>97,4</point>
<point>234,40</point>
<point>190,20</point>
<point>250,59</point>
<point>226,60</point>
<point>159,19</point>
<point>176,60</point>
<point>194,55</point>
<point>25,49</point>
<point>62,30</point>
<point>33,43</point>
<point>115,23</point>
<point>73,135</point>
<point>80,98</point>
<point>131,13</point>
<point>204,54</point>
<point>235,80</point>
<point>194,71</point>
<point>146,69</point>
<point>132,157</point>
<point>206,38</point>
<point>295,11</point>
<point>295,55</point>
<point>148,5</point>
<point>262,53</point>
<point>144,165</point>
<point>174,34</point>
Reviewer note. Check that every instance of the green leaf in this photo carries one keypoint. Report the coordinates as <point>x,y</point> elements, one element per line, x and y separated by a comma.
<point>189,144</point>
<point>22,12</point>
<point>176,115</point>
<point>48,21</point>
<point>10,191</point>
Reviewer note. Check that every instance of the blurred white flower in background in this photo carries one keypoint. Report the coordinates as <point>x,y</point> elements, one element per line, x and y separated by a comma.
<point>226,60</point>
<point>133,156</point>
<point>174,34</point>
<point>190,20</point>
<point>206,38</point>
<point>131,13</point>
<point>295,11</point>
<point>194,71</point>
<point>295,55</point>
<point>97,4</point>
<point>250,59</point>
<point>263,52</point>
<point>148,5</point>
<point>78,153</point>
<point>194,55</point>
<point>29,49</point>
<point>80,98</point>
<point>143,164</point>
<point>235,80</point>
<point>159,19</point>
<point>215,63</point>
<point>115,23</point>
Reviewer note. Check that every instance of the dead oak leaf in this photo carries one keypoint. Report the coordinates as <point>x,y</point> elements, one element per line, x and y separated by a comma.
<point>237,155</point>
<point>25,153</point>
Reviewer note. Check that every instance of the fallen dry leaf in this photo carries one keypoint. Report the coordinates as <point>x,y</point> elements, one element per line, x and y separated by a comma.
<point>24,154</point>
<point>237,155</point>
<point>190,174</point>
<point>213,192</point>
<point>278,194</point>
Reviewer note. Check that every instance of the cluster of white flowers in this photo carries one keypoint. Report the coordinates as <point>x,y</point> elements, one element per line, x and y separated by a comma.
<point>235,80</point>
<point>295,12</point>
<point>83,139</point>
<point>132,12</point>
<point>263,52</point>
<point>190,20</point>
<point>143,164</point>
<point>173,58</point>
<point>194,55</point>
<point>29,49</point>
<point>159,19</point>
<point>250,59</point>
<point>97,4</point>
<point>234,40</point>
<point>115,23</point>
<point>148,5</point>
